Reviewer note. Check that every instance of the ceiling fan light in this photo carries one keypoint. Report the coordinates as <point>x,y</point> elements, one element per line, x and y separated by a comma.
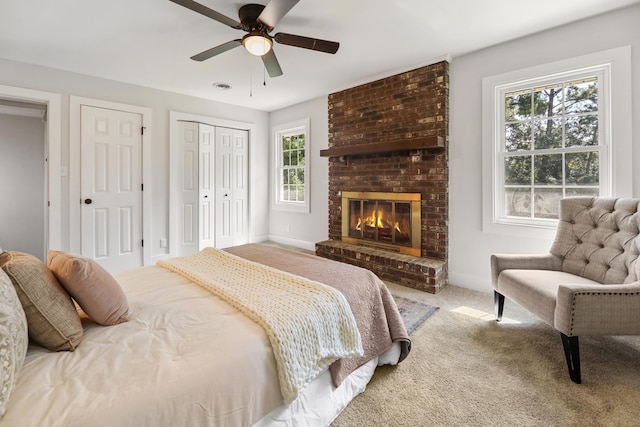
<point>256,44</point>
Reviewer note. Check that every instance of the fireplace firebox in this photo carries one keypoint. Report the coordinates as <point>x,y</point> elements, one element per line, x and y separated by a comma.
<point>388,221</point>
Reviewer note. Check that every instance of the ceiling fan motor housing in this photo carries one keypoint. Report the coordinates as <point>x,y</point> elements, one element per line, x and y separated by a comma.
<point>248,15</point>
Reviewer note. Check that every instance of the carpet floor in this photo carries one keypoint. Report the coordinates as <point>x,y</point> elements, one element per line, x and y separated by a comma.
<point>465,369</point>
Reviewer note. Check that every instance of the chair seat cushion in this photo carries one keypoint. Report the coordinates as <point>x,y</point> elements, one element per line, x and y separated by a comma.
<point>536,289</point>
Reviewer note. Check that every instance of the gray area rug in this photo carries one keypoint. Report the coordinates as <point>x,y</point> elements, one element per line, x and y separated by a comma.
<point>413,313</point>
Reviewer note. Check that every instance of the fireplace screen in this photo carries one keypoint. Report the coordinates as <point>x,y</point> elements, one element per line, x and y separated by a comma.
<point>389,220</point>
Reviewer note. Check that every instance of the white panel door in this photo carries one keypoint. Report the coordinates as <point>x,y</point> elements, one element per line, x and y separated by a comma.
<point>231,187</point>
<point>240,195</point>
<point>206,188</point>
<point>224,187</point>
<point>111,187</point>
<point>188,228</point>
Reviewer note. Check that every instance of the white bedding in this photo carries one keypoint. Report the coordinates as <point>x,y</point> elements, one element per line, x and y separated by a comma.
<point>185,358</point>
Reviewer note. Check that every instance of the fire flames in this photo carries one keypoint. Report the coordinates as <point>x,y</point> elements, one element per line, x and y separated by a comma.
<point>376,219</point>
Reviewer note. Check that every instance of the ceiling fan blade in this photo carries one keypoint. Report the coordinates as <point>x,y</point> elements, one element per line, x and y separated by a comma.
<point>307,42</point>
<point>217,50</point>
<point>275,10</point>
<point>203,10</point>
<point>271,64</point>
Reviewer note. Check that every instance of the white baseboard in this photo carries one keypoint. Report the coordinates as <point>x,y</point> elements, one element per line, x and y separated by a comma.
<point>470,282</point>
<point>302,244</point>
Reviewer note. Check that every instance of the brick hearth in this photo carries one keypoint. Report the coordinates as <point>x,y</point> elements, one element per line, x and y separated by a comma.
<point>394,132</point>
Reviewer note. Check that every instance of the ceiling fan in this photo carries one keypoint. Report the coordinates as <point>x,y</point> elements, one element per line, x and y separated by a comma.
<point>258,21</point>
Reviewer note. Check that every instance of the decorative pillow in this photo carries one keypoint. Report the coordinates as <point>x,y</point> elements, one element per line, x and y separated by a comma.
<point>94,289</point>
<point>51,315</point>
<point>14,339</point>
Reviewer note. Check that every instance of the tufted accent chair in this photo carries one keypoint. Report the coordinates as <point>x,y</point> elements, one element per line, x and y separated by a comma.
<point>588,283</point>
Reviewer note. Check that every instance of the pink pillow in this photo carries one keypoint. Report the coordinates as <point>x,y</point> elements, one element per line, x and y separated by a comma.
<point>91,286</point>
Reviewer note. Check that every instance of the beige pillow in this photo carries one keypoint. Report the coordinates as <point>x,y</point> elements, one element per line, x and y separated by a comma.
<point>14,339</point>
<point>94,289</point>
<point>51,315</point>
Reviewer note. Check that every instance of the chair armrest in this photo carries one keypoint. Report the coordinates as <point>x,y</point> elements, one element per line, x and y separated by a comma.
<point>501,262</point>
<point>583,309</point>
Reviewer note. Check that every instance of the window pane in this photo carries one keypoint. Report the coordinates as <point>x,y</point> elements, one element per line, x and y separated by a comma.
<point>547,134</point>
<point>546,202</point>
<point>293,178</point>
<point>548,100</point>
<point>300,193</point>
<point>300,175</point>
<point>285,192</point>
<point>582,168</point>
<point>582,130</point>
<point>301,141</point>
<point>517,105</point>
<point>547,169</point>
<point>581,191</point>
<point>286,143</point>
<point>518,202</point>
<point>518,136</point>
<point>285,176</point>
<point>517,170</point>
<point>581,96</point>
<point>301,157</point>
<point>294,142</point>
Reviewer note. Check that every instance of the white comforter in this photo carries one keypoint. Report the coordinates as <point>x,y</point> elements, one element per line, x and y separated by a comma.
<point>184,355</point>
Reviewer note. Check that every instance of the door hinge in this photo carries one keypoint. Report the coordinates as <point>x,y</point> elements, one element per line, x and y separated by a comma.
<point>141,187</point>
<point>142,129</point>
<point>142,243</point>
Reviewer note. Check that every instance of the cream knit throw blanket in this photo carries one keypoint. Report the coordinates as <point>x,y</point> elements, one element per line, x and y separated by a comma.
<point>309,325</point>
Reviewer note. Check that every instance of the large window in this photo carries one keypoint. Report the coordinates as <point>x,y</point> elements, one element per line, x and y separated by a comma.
<point>548,135</point>
<point>551,145</point>
<point>292,169</point>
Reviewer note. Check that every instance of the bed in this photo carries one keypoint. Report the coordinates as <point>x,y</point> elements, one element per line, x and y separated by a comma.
<point>189,356</point>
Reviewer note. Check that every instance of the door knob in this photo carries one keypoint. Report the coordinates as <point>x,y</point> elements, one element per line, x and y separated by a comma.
<point>88,201</point>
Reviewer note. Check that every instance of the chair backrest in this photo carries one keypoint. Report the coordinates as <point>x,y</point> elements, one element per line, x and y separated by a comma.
<point>598,238</point>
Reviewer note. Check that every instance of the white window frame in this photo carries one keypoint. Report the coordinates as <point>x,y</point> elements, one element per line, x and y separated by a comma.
<point>613,68</point>
<point>299,126</point>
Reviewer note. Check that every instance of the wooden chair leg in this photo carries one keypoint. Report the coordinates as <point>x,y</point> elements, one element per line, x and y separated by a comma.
<point>498,305</point>
<point>572,353</point>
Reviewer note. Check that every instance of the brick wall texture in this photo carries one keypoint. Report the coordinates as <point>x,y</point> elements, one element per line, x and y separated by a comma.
<point>413,104</point>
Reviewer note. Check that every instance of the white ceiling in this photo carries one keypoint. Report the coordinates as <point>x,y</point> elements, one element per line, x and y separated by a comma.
<point>149,42</point>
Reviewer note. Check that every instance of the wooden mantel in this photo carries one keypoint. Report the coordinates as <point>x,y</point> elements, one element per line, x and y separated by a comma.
<point>385,147</point>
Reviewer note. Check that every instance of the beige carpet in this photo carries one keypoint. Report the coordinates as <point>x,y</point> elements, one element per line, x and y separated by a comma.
<point>467,370</point>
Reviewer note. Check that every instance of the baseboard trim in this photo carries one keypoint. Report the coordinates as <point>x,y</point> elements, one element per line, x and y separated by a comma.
<point>302,244</point>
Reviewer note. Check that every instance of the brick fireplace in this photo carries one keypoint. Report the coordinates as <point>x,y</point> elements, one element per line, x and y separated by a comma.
<point>390,137</point>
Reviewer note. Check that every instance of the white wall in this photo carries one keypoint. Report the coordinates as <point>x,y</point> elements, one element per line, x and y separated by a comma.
<point>160,102</point>
<point>304,229</point>
<point>469,247</point>
<point>22,184</point>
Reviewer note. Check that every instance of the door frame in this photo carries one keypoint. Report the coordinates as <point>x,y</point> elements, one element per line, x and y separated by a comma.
<point>53,149</point>
<point>174,165</point>
<point>75,196</point>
